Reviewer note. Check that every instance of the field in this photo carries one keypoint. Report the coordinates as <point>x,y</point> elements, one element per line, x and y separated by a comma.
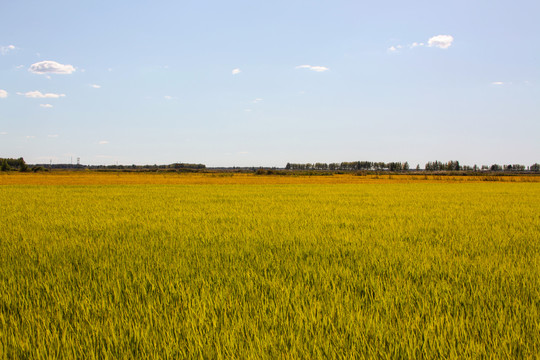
<point>240,266</point>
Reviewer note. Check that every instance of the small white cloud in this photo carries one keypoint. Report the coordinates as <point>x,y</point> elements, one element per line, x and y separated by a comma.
<point>103,142</point>
<point>3,133</point>
<point>168,97</point>
<point>39,95</point>
<point>497,83</point>
<point>30,137</point>
<point>109,69</point>
<point>313,68</point>
<point>319,68</point>
<point>441,41</point>
<point>257,100</point>
<point>19,67</point>
<point>48,106</point>
<point>415,44</point>
<point>95,86</point>
<point>5,49</point>
<point>236,71</point>
<point>247,110</point>
<point>53,136</point>
<point>394,48</point>
<point>3,94</point>
<point>50,67</point>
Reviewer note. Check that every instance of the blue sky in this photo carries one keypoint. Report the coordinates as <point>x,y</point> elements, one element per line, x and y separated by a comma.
<point>253,83</point>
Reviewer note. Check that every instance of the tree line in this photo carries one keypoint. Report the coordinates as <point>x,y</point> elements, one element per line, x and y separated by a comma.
<point>350,166</point>
<point>452,165</point>
<point>10,164</point>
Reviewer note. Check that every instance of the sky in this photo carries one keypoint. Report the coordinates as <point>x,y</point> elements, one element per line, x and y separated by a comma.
<point>263,83</point>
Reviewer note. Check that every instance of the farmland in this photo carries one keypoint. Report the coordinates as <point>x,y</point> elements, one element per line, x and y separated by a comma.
<point>240,266</point>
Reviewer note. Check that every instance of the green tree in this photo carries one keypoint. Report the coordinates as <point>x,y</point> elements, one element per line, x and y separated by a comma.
<point>5,166</point>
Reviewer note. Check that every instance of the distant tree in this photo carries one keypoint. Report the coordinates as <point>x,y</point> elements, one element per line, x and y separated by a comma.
<point>5,166</point>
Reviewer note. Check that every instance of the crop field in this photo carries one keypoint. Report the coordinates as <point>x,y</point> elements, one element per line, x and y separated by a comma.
<point>243,267</point>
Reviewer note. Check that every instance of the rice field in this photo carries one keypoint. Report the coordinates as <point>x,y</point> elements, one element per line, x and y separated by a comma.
<point>243,267</point>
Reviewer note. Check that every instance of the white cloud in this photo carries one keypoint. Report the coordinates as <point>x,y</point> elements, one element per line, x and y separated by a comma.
<point>236,71</point>
<point>30,137</point>
<point>497,83</point>
<point>103,142</point>
<point>53,136</point>
<point>46,106</point>
<point>168,97</point>
<point>3,94</point>
<point>50,67</point>
<point>313,68</point>
<point>38,95</point>
<point>19,67</point>
<point>257,100</point>
<point>441,41</point>
<point>3,133</point>
<point>95,86</point>
<point>5,49</point>
<point>247,110</point>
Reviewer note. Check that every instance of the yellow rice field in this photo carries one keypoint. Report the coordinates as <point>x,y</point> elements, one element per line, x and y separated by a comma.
<point>122,265</point>
<point>173,178</point>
